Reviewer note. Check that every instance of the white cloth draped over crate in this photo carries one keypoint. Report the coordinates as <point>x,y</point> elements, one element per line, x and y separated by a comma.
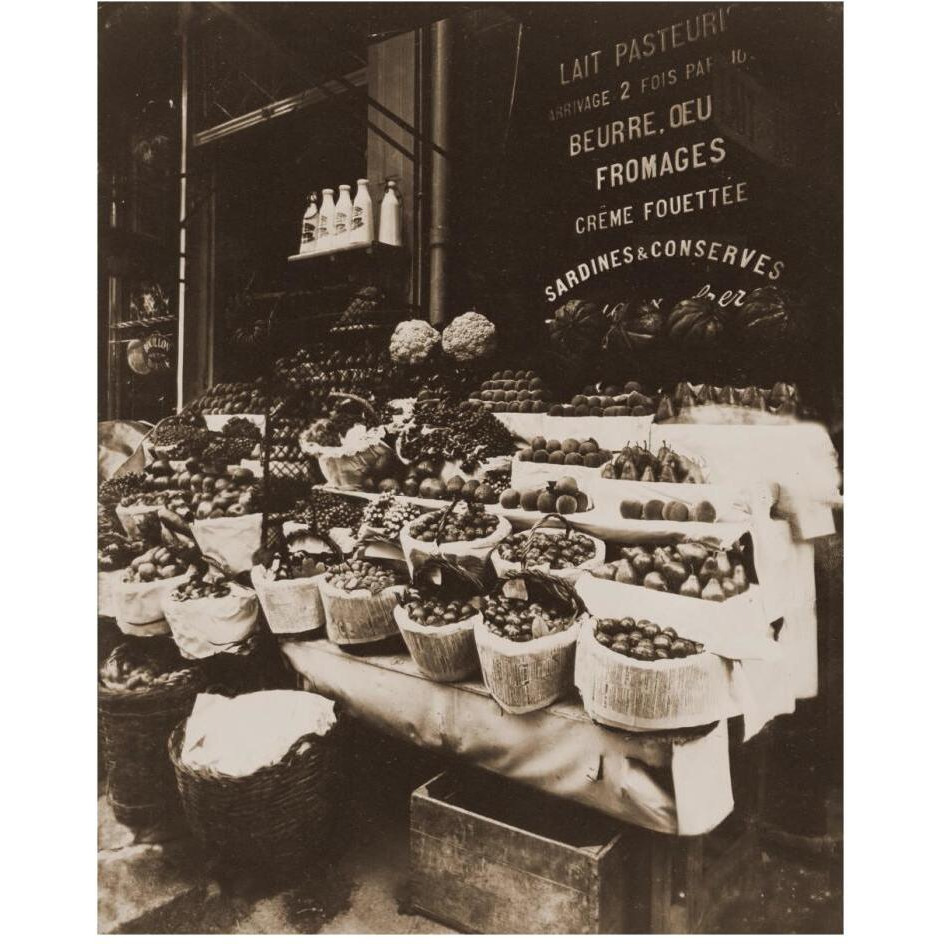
<point>670,783</point>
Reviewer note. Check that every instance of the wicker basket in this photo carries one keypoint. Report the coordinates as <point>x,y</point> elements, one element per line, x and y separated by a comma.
<point>135,726</point>
<point>290,606</point>
<point>354,618</point>
<point>570,574</point>
<point>278,818</point>
<point>442,653</point>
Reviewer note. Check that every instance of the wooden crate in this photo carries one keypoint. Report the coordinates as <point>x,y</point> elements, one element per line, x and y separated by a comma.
<point>493,857</point>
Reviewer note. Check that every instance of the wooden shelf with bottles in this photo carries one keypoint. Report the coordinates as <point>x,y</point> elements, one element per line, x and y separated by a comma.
<point>366,254</point>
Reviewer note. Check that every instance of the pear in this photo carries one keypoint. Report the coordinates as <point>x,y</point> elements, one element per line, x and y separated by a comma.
<point>747,395</point>
<point>624,573</point>
<point>676,575</point>
<point>727,396</point>
<point>687,400</point>
<point>665,410</point>
<point>642,563</point>
<point>739,578</point>
<point>786,408</point>
<point>704,395</point>
<point>666,474</point>
<point>604,571</point>
<point>682,389</point>
<point>727,585</point>
<point>655,581</point>
<point>647,476</point>
<point>759,402</point>
<point>713,591</point>
<point>628,473</point>
<point>691,587</point>
<point>724,564</point>
<point>608,471</point>
<point>781,391</point>
<point>660,559</point>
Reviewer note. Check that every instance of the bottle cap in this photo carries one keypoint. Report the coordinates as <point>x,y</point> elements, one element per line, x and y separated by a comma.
<point>328,190</point>
<point>362,180</point>
<point>344,187</point>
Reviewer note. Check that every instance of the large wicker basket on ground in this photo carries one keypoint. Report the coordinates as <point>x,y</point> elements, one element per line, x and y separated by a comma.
<point>134,727</point>
<point>278,818</point>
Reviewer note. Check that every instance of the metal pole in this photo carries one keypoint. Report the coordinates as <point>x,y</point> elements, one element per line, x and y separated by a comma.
<point>441,68</point>
<point>182,269</point>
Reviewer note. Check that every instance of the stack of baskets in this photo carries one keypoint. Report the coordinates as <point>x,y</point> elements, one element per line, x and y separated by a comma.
<point>279,818</point>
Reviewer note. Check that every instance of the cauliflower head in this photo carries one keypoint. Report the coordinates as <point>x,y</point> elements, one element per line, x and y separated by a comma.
<point>469,337</point>
<point>413,341</point>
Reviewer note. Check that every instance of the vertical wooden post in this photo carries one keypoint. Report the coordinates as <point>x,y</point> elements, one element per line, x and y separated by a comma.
<point>392,81</point>
<point>441,69</point>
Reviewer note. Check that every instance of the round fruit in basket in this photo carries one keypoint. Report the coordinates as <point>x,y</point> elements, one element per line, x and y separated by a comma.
<point>296,565</point>
<point>644,641</point>
<point>524,620</point>
<point>556,550</point>
<point>360,574</point>
<point>470,524</point>
<point>201,586</point>
<point>425,609</point>
<point>157,563</point>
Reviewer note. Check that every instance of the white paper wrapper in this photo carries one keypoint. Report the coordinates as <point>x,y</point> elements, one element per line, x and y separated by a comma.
<point>730,504</point>
<point>442,653</point>
<point>649,696</point>
<point>290,606</point>
<point>472,555</point>
<point>131,517</point>
<point>211,625</point>
<point>233,541</point>
<point>570,574</point>
<point>526,676</point>
<point>139,607</point>
<point>738,628</point>
<point>108,581</point>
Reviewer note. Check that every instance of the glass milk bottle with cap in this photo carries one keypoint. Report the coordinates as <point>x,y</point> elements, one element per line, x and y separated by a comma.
<point>310,225</point>
<point>390,230</point>
<point>362,218</point>
<point>325,228</point>
<point>342,217</point>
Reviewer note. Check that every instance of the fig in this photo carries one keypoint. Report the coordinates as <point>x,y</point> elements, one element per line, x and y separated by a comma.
<point>653,509</point>
<point>676,511</point>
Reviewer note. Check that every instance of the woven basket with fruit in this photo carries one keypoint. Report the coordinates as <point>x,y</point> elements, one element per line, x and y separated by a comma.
<point>436,615</point>
<point>348,452</point>
<point>636,675</point>
<point>139,596</point>
<point>210,613</point>
<point>562,552</point>
<point>359,597</point>
<point>287,586</point>
<point>526,640</point>
<point>463,532</point>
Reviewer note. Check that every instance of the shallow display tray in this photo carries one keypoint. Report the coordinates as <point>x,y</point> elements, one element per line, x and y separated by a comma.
<point>611,432</point>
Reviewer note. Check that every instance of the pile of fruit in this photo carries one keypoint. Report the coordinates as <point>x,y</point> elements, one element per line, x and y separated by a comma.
<point>296,564</point>
<point>115,551</point>
<point>513,392</point>
<point>689,569</point>
<point>324,510</point>
<point>471,523</point>
<point>427,609</point>
<point>131,668</point>
<point>122,486</point>
<point>157,563</point>
<point>238,427</point>
<point>611,401</point>
<point>231,450</point>
<point>636,463</point>
<point>360,574</point>
<point>385,516</point>
<point>201,586</point>
<point>563,496</point>
<point>159,499</point>
<point>523,620</point>
<point>212,494</point>
<point>585,452</point>
<point>781,400</point>
<point>657,510</point>
<point>224,398</point>
<point>444,432</point>
<point>471,490</point>
<point>556,549</point>
<point>643,640</point>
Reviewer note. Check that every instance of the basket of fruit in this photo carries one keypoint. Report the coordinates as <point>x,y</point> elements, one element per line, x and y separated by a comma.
<point>565,553</point>
<point>526,639</point>
<point>636,675</point>
<point>288,590</point>
<point>228,527</point>
<point>359,597</point>
<point>210,613</point>
<point>144,690</point>
<point>137,513</point>
<point>436,615</point>
<point>463,532</point>
<point>349,452</point>
<point>139,596</point>
<point>710,590</point>
<point>115,553</point>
